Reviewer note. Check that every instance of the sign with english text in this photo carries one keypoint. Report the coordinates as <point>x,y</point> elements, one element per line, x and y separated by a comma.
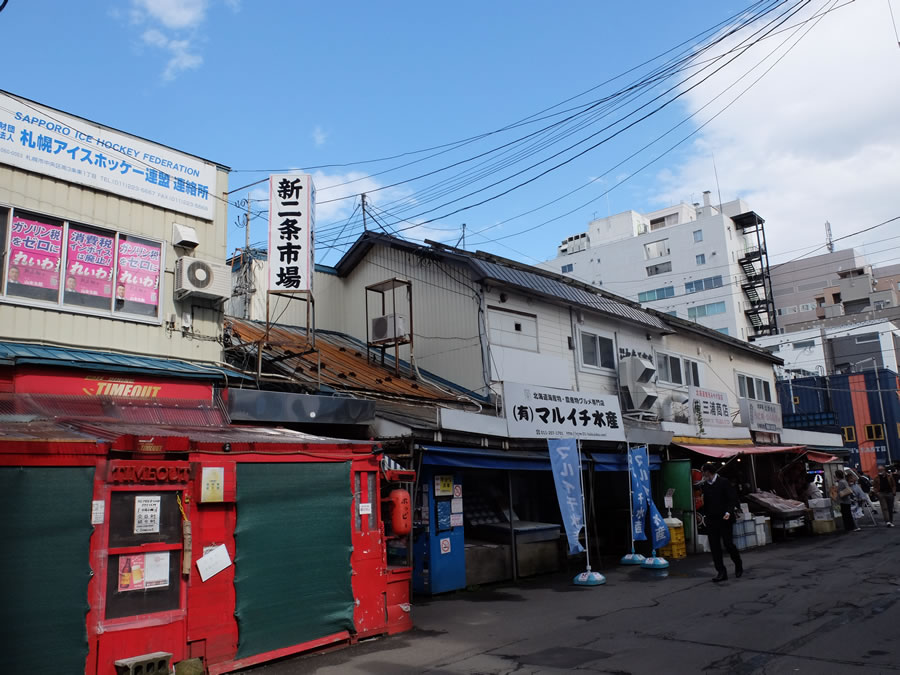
<point>542,412</point>
<point>52,143</point>
<point>292,219</point>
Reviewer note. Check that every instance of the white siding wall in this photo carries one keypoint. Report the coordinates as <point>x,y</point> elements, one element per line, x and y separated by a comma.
<point>63,200</point>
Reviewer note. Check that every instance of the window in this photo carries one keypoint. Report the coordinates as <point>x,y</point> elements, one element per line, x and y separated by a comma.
<point>661,268</point>
<point>513,329</point>
<point>566,269</point>
<point>803,344</point>
<point>701,259</point>
<point>703,284</point>
<point>866,337</point>
<point>656,249</point>
<point>874,432</point>
<point>596,350</point>
<point>807,307</point>
<point>698,236</point>
<point>81,267</point>
<point>677,370</point>
<point>701,311</point>
<point>754,388</point>
<point>657,294</point>
<point>849,434</point>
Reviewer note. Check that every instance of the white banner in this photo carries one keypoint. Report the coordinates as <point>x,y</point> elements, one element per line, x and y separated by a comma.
<point>49,142</point>
<point>292,219</point>
<point>542,412</point>
<point>761,415</point>
<point>712,406</point>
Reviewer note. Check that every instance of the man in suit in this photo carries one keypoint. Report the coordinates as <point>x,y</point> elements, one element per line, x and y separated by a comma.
<point>720,501</point>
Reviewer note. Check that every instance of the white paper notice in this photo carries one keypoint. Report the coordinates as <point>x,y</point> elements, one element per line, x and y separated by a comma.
<point>456,505</point>
<point>456,520</point>
<point>213,562</point>
<point>156,569</point>
<point>146,514</point>
<point>98,511</point>
<point>365,508</point>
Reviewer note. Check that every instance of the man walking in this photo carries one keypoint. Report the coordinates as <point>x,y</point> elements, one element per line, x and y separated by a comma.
<point>720,501</point>
<point>886,489</point>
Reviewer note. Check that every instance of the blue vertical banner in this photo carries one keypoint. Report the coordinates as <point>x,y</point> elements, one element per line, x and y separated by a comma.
<point>639,468</point>
<point>566,465</point>
<point>641,502</point>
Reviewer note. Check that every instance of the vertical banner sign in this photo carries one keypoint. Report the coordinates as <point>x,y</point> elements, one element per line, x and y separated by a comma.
<point>35,250</point>
<point>292,218</point>
<point>638,467</point>
<point>642,503</point>
<point>565,462</point>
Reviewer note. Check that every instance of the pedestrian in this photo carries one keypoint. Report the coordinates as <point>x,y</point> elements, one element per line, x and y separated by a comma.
<point>844,494</point>
<point>886,489</point>
<point>720,501</point>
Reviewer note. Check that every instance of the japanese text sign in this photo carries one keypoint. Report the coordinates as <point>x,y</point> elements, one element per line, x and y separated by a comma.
<point>642,503</point>
<point>711,407</point>
<point>541,412</point>
<point>139,266</point>
<point>52,143</point>
<point>761,415</point>
<point>89,263</point>
<point>292,217</point>
<point>35,250</point>
<point>565,460</point>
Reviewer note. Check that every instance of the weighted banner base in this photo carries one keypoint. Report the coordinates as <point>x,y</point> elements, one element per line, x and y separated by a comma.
<point>589,579</point>
<point>655,563</point>
<point>632,559</point>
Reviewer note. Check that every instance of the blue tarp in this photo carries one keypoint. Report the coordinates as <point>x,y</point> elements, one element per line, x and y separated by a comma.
<point>518,460</point>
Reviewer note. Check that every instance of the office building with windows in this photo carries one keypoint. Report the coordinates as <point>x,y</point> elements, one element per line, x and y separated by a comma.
<point>707,264</point>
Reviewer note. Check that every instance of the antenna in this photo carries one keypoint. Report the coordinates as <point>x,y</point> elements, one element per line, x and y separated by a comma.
<point>829,244</point>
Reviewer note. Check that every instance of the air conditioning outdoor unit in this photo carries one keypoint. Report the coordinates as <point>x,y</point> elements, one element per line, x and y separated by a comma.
<point>637,380</point>
<point>201,279</point>
<point>388,328</point>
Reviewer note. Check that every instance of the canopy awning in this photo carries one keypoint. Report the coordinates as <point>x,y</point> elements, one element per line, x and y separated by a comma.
<point>486,458</point>
<point>820,457</point>
<point>728,451</point>
<point>619,462</point>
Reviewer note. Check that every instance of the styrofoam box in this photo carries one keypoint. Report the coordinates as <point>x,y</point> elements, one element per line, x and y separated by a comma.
<point>748,526</point>
<point>751,540</point>
<point>823,514</point>
<point>820,503</point>
<point>759,520</point>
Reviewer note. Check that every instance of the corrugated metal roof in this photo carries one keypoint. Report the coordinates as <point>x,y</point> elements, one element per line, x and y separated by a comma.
<point>19,353</point>
<point>554,288</point>
<point>344,366</point>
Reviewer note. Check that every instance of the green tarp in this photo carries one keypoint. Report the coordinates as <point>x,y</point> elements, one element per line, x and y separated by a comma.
<point>292,554</point>
<point>45,527</point>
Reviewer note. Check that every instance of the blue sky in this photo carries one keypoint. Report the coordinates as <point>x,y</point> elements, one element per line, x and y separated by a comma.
<point>284,85</point>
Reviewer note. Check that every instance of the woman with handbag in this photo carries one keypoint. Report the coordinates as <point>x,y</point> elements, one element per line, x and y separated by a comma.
<point>844,493</point>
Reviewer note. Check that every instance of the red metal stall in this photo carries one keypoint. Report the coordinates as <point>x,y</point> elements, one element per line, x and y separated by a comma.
<point>229,545</point>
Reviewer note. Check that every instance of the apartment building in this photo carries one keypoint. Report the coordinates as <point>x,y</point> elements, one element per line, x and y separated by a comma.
<point>705,263</point>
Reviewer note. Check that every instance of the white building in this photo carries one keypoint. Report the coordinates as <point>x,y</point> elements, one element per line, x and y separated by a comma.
<point>704,263</point>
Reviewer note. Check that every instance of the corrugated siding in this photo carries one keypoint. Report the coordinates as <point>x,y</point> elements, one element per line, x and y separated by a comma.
<point>445,312</point>
<point>62,200</point>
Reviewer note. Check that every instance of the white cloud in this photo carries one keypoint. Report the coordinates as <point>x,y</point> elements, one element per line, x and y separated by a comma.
<point>319,136</point>
<point>181,54</point>
<point>174,14</point>
<point>818,138</point>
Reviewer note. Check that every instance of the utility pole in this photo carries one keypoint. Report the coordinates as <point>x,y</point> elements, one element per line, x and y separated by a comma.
<point>363,195</point>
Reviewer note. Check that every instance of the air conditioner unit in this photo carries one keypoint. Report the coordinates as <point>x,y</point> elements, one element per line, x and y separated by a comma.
<point>201,279</point>
<point>637,378</point>
<point>388,328</point>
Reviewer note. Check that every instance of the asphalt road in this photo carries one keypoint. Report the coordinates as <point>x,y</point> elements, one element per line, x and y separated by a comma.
<point>822,605</point>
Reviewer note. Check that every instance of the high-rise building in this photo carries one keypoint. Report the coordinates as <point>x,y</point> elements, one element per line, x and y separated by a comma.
<point>703,263</point>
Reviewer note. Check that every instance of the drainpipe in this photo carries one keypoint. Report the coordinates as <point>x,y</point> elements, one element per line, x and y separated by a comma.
<point>574,347</point>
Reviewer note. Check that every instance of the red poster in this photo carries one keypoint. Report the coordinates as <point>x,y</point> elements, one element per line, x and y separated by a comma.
<point>139,266</point>
<point>89,263</point>
<point>35,249</point>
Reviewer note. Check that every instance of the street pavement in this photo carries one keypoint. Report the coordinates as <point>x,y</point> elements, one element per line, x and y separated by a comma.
<point>826,604</point>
